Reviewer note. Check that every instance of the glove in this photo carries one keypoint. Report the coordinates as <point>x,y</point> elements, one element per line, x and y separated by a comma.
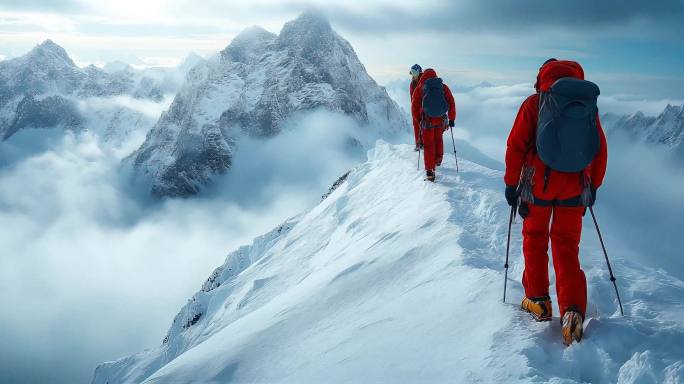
<point>523,210</point>
<point>593,196</point>
<point>511,195</point>
<point>451,123</point>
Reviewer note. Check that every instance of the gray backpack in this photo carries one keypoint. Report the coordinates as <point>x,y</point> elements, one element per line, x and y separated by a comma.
<point>567,131</point>
<point>434,102</point>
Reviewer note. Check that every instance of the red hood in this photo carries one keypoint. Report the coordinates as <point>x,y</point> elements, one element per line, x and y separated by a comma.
<point>427,74</point>
<point>554,70</point>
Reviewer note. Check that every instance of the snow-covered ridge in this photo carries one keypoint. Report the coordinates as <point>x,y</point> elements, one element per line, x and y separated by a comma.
<point>392,279</point>
<point>251,89</point>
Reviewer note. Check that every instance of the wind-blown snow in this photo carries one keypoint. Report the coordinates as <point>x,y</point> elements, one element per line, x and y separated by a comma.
<point>393,279</point>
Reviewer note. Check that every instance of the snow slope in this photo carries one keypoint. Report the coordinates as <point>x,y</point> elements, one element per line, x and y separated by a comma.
<point>393,279</point>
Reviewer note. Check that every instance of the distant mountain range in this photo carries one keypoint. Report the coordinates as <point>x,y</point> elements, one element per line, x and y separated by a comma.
<point>666,129</point>
<point>45,89</point>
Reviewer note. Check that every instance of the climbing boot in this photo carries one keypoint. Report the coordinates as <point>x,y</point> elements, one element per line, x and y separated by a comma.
<point>538,307</point>
<point>430,176</point>
<point>572,327</point>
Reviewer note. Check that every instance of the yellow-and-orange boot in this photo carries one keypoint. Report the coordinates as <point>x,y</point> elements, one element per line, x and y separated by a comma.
<point>572,327</point>
<point>538,307</point>
<point>430,176</point>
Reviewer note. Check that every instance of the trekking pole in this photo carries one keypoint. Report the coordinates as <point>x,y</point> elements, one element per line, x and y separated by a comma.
<point>419,144</point>
<point>610,270</point>
<point>454,143</point>
<point>418,164</point>
<point>508,246</point>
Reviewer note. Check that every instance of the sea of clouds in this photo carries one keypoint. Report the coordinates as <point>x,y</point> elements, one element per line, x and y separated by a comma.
<point>92,269</point>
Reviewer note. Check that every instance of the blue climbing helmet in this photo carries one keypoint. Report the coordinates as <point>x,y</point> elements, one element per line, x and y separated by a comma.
<point>415,70</point>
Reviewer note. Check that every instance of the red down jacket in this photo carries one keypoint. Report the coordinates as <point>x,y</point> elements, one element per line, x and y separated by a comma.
<point>417,103</point>
<point>522,142</point>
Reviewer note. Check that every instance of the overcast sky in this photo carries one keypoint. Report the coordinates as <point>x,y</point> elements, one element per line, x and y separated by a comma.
<point>629,47</point>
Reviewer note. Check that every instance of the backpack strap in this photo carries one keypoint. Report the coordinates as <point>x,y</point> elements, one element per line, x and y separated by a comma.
<point>585,182</point>
<point>547,176</point>
<point>532,146</point>
<point>581,200</point>
<point>571,202</point>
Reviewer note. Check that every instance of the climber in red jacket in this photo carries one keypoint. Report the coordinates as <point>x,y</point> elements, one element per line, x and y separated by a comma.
<point>416,72</point>
<point>434,111</point>
<point>556,197</point>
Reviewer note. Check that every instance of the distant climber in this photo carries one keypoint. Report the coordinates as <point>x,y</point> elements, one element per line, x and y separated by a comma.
<point>556,159</point>
<point>415,72</point>
<point>434,111</point>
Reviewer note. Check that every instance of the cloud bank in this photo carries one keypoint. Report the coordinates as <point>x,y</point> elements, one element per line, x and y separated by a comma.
<point>90,271</point>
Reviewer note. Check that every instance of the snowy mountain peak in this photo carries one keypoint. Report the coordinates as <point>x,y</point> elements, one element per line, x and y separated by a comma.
<point>672,111</point>
<point>309,22</point>
<point>258,82</point>
<point>311,31</point>
<point>49,51</point>
<point>50,45</point>
<point>249,43</point>
<point>254,33</point>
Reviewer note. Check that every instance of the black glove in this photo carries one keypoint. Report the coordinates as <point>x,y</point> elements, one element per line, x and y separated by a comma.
<point>451,123</point>
<point>511,195</point>
<point>593,196</point>
<point>523,210</point>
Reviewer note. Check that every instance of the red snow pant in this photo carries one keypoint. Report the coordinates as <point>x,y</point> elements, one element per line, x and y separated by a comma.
<point>433,147</point>
<point>565,233</point>
<point>416,133</point>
